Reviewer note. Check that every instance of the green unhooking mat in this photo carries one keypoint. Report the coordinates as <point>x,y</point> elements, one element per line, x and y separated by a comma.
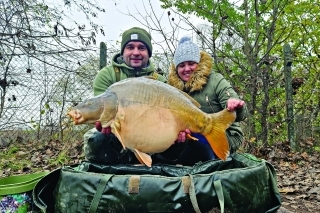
<point>241,184</point>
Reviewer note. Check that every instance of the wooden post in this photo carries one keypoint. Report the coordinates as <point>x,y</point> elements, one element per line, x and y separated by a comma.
<point>103,55</point>
<point>289,100</point>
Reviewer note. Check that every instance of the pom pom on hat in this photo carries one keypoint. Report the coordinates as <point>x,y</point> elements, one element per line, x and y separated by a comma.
<point>184,39</point>
<point>186,51</point>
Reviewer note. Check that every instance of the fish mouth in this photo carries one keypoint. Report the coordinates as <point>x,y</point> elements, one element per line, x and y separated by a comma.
<point>76,116</point>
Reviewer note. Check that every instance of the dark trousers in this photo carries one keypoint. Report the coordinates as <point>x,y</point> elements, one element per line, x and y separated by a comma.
<point>107,149</point>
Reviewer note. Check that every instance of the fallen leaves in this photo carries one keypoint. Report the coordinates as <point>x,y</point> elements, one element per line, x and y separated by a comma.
<point>33,156</point>
<point>287,190</point>
<point>298,176</point>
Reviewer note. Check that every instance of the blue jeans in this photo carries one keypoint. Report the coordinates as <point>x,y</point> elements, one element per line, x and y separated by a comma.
<point>187,153</point>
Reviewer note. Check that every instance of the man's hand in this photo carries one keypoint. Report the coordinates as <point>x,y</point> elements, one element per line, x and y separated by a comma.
<point>182,136</point>
<point>106,130</point>
<point>233,104</point>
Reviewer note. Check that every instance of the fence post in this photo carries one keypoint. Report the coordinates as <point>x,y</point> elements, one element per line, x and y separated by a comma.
<point>103,55</point>
<point>289,100</point>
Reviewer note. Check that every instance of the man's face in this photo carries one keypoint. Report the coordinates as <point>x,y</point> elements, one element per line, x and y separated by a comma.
<point>135,54</point>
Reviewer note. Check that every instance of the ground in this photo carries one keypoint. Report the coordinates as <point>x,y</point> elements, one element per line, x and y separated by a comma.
<point>298,176</point>
<point>298,173</point>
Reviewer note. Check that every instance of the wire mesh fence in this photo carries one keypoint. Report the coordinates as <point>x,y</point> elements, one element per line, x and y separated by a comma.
<point>46,66</point>
<point>37,90</point>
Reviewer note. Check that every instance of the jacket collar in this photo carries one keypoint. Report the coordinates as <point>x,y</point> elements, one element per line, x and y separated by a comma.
<point>198,78</point>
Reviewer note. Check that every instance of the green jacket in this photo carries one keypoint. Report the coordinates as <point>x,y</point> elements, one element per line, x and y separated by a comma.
<point>212,91</point>
<point>107,75</point>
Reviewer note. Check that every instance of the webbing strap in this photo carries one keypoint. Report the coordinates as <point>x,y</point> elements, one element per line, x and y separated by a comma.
<point>218,188</point>
<point>186,184</point>
<point>117,71</point>
<point>97,196</point>
<point>193,197</point>
<point>20,183</point>
<point>155,75</point>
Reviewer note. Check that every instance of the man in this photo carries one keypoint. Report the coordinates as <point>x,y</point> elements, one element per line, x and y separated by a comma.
<point>133,61</point>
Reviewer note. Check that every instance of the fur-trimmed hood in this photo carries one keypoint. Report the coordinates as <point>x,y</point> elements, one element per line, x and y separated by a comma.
<point>198,78</point>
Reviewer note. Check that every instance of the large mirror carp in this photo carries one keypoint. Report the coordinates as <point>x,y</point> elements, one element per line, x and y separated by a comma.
<point>147,115</point>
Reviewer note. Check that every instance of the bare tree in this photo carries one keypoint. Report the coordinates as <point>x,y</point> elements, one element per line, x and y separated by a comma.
<point>37,48</point>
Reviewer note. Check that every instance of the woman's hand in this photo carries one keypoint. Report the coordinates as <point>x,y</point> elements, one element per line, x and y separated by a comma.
<point>182,136</point>
<point>233,104</point>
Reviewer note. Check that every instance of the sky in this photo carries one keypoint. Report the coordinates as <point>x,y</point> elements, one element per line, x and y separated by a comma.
<point>115,20</point>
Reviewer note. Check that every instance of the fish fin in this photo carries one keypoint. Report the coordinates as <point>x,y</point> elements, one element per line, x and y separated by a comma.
<point>191,137</point>
<point>116,127</point>
<point>217,138</point>
<point>220,146</point>
<point>143,157</point>
<point>110,107</point>
<point>115,131</point>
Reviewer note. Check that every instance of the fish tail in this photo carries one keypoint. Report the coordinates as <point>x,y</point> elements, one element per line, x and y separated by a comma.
<point>217,137</point>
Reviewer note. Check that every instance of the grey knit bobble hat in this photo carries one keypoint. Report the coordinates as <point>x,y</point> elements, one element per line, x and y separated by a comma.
<point>186,51</point>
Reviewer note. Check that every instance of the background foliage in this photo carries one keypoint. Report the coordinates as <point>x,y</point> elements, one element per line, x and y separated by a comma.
<point>246,40</point>
<point>46,66</point>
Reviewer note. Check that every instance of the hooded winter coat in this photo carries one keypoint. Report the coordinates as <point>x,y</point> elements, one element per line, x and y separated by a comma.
<point>107,75</point>
<point>212,91</point>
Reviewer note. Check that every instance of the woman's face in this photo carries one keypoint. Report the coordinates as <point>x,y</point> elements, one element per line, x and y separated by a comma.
<point>185,69</point>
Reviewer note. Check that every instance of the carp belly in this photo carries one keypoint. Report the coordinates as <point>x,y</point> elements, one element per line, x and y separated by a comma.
<point>148,129</point>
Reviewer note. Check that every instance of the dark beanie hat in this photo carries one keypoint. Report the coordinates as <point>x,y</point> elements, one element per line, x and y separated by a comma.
<point>136,34</point>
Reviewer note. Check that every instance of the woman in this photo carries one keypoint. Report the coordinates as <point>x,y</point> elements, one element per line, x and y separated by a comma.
<point>192,73</point>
